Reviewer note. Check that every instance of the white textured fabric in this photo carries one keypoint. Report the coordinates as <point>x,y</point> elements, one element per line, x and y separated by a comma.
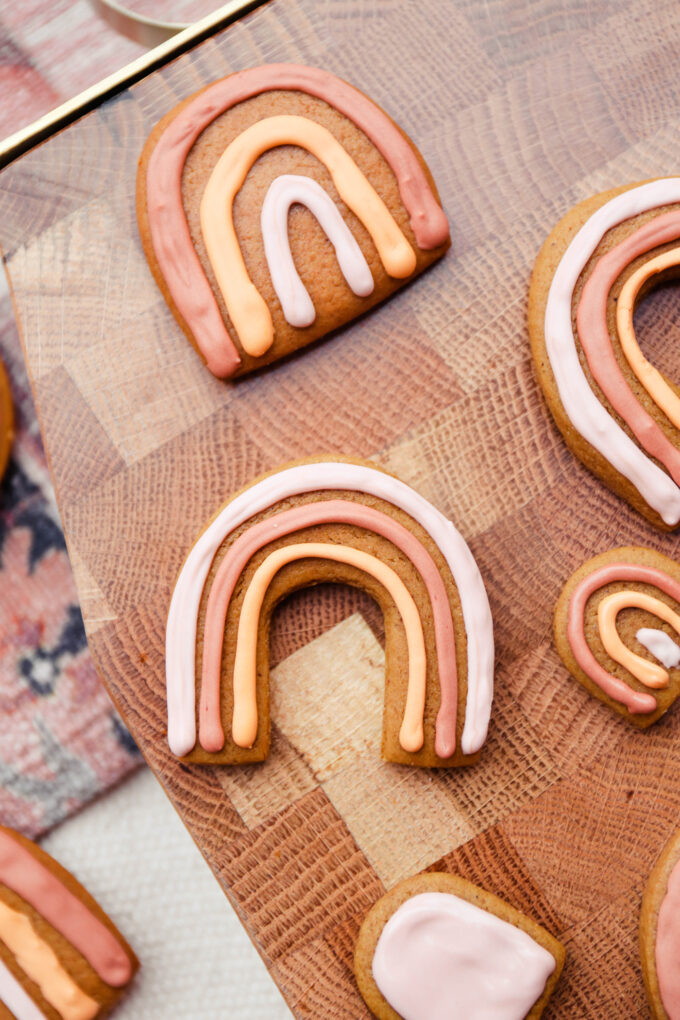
<point>132,852</point>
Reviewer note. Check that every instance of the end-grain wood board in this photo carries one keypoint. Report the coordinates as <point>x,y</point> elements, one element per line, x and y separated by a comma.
<point>521,110</point>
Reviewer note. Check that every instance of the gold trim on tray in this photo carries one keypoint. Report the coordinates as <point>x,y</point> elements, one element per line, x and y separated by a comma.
<point>19,142</point>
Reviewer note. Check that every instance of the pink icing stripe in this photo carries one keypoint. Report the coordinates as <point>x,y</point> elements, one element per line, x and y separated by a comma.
<point>636,702</point>
<point>667,947</point>
<point>593,333</point>
<point>338,511</point>
<point>30,879</point>
<point>168,227</point>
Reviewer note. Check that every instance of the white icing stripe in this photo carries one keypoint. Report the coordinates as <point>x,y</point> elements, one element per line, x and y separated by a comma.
<point>660,645</point>
<point>440,957</point>
<point>16,998</point>
<point>292,189</point>
<point>180,642</point>
<point>588,416</point>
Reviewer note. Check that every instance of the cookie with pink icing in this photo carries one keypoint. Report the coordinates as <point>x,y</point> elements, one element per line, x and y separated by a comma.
<point>330,520</point>
<point>660,933</point>
<point>61,957</point>
<point>437,947</point>
<point>617,412</point>
<point>617,630</point>
<point>276,205</point>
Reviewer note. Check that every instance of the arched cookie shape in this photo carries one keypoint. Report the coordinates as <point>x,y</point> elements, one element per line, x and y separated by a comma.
<point>330,520</point>
<point>628,661</point>
<point>214,198</point>
<point>616,411</point>
<point>660,933</point>
<point>60,955</point>
<point>437,947</point>
<point>6,420</point>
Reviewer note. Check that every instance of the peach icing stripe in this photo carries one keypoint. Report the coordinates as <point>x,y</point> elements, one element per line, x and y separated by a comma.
<point>41,964</point>
<point>337,511</point>
<point>637,702</point>
<point>648,673</point>
<point>168,227</point>
<point>30,879</point>
<point>593,332</point>
<point>667,946</point>
<point>247,309</point>
<point>294,189</point>
<point>15,998</point>
<point>663,395</point>
<point>245,717</point>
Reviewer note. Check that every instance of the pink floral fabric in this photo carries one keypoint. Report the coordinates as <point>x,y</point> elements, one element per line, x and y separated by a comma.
<point>61,740</point>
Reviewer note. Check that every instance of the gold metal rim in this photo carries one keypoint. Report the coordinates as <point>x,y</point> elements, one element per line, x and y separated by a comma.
<point>21,141</point>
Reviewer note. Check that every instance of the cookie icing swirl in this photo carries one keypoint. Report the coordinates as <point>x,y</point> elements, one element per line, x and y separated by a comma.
<point>637,702</point>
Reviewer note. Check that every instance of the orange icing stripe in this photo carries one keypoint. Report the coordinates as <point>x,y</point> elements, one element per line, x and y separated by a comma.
<point>648,673</point>
<point>661,393</point>
<point>40,963</point>
<point>168,227</point>
<point>245,718</point>
<point>338,511</point>
<point>247,309</point>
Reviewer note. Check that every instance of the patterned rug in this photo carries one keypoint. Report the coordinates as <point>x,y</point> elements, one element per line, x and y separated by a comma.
<point>61,741</point>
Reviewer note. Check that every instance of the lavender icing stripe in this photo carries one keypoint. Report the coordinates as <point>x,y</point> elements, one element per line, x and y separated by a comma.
<point>15,997</point>
<point>661,646</point>
<point>288,190</point>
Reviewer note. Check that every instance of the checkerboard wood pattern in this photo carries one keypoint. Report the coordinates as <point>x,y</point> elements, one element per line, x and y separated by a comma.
<point>521,110</point>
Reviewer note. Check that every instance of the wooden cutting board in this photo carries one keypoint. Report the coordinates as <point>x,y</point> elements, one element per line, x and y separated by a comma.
<point>521,110</point>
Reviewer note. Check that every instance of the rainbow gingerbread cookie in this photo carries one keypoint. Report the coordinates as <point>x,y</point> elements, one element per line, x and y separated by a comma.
<point>6,419</point>
<point>616,411</point>
<point>61,958</point>
<point>660,934</point>
<point>437,947</point>
<point>630,662</point>
<point>275,206</point>
<point>338,521</point>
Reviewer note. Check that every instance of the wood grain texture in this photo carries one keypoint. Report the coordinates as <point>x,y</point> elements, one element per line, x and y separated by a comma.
<point>520,110</point>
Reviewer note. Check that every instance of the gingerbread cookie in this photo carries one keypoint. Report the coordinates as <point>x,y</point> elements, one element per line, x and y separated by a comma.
<point>61,958</point>
<point>660,934</point>
<point>275,206</point>
<point>616,411</point>
<point>437,947</point>
<point>343,521</point>
<point>6,420</point>
<point>612,655</point>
